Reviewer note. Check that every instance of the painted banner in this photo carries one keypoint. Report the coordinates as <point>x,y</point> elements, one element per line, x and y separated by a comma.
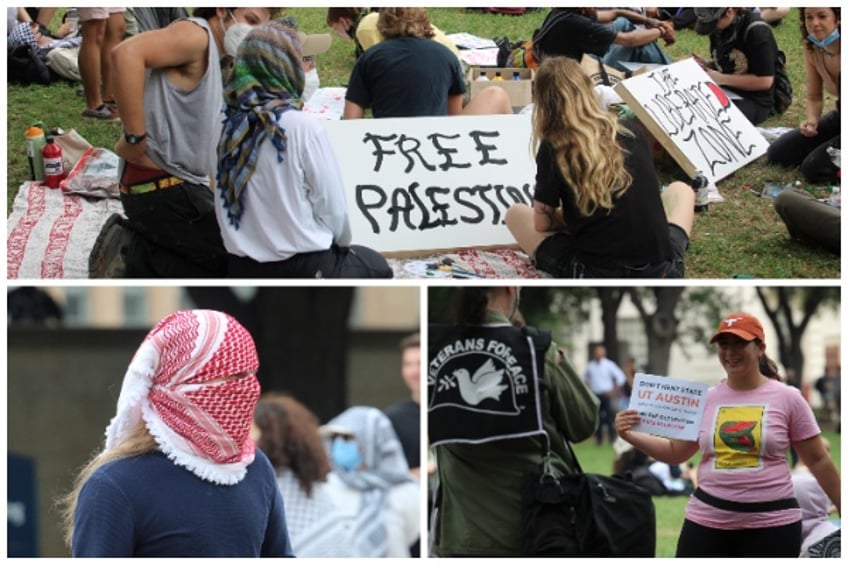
<point>434,183</point>
<point>693,119</point>
<point>669,407</point>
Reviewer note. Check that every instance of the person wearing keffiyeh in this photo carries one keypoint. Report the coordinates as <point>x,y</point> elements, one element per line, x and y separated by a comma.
<point>374,491</point>
<point>280,199</point>
<point>179,474</point>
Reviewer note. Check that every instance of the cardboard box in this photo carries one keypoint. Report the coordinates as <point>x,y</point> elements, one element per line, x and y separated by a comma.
<point>520,91</point>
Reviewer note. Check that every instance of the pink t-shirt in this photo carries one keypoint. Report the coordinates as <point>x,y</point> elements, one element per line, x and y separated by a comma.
<point>743,439</point>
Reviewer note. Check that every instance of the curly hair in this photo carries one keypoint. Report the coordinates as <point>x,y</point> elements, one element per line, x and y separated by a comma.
<point>290,438</point>
<point>803,24</point>
<point>405,22</point>
<point>583,136</point>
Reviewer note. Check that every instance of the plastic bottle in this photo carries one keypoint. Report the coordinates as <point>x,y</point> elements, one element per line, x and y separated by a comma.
<point>700,184</point>
<point>54,170</point>
<point>72,17</point>
<point>498,76</point>
<point>35,142</point>
<point>482,76</point>
<point>516,75</point>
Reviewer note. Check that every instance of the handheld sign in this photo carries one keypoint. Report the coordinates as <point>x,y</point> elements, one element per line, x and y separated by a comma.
<point>693,119</point>
<point>433,183</point>
<point>669,407</point>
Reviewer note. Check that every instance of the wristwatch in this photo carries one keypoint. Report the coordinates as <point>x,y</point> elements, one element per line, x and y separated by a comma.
<point>134,139</point>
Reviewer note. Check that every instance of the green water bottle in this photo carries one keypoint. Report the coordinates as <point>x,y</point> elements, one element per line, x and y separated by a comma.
<point>35,142</point>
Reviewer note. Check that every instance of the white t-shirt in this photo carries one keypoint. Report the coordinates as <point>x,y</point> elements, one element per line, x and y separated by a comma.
<point>297,206</point>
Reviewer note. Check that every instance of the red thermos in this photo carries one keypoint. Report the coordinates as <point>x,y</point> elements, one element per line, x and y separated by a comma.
<point>53,167</point>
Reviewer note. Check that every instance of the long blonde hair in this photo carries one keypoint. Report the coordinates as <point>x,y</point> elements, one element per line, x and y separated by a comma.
<point>138,442</point>
<point>583,136</point>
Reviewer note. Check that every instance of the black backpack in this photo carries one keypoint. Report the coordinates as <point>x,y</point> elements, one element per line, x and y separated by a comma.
<point>782,84</point>
<point>26,67</point>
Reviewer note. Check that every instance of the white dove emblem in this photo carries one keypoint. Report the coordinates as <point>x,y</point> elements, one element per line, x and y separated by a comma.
<point>484,384</point>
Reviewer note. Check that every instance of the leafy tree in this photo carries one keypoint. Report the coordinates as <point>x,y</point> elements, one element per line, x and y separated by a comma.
<point>781,305</point>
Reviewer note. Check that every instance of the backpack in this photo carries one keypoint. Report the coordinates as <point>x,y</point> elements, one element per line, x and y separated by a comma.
<point>26,67</point>
<point>782,85</point>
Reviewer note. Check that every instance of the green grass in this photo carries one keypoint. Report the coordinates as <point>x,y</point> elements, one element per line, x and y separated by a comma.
<point>669,509</point>
<point>742,235</point>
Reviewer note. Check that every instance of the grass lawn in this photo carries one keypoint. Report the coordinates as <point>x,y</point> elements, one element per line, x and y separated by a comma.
<point>742,236</point>
<point>669,509</point>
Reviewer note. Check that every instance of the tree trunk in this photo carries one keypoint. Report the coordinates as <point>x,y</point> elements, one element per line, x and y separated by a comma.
<point>301,334</point>
<point>610,301</point>
<point>660,325</point>
<point>789,333</point>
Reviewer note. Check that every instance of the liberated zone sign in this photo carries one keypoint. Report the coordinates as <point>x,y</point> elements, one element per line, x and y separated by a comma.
<point>693,119</point>
<point>434,183</point>
<point>669,407</point>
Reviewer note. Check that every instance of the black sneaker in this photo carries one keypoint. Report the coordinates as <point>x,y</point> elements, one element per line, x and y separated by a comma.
<point>108,256</point>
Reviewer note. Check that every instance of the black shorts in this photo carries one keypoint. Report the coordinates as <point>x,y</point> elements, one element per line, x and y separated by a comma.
<point>556,256</point>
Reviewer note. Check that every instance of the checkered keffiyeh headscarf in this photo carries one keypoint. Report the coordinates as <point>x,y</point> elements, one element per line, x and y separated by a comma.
<point>267,79</point>
<point>384,466</point>
<point>200,425</point>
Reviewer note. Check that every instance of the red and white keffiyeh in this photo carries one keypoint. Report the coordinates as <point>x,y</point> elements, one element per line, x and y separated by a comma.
<point>179,384</point>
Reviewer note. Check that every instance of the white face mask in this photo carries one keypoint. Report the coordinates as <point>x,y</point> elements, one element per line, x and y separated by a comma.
<point>311,83</point>
<point>234,36</point>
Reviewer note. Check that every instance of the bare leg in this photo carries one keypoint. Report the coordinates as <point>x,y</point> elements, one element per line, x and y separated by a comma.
<point>115,28</point>
<point>490,100</point>
<point>679,203</point>
<point>91,47</point>
<point>519,220</point>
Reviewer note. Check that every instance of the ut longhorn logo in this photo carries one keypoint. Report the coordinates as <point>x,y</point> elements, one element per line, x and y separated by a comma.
<point>730,321</point>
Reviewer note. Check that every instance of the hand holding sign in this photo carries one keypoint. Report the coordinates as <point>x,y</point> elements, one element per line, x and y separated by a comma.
<point>666,407</point>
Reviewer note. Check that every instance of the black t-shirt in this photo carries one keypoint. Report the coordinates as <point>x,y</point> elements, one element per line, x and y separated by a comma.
<point>406,77</point>
<point>635,231</point>
<point>406,420</point>
<point>572,35</point>
<point>755,52</point>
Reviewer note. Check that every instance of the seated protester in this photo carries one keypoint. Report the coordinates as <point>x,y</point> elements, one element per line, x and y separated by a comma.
<point>573,32</point>
<point>368,34</point>
<point>382,77</point>
<point>168,88</point>
<point>743,58</point>
<point>597,208</point>
<point>815,511</point>
<point>280,199</point>
<point>807,145</point>
<point>810,220</point>
<point>627,20</point>
<point>345,23</point>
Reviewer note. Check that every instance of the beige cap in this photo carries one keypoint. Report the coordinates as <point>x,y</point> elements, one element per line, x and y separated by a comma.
<point>315,44</point>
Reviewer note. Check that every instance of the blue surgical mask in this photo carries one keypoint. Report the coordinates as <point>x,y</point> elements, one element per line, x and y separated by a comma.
<point>834,36</point>
<point>345,454</point>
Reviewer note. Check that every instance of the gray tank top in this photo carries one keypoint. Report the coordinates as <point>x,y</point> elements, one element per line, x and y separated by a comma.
<point>183,126</point>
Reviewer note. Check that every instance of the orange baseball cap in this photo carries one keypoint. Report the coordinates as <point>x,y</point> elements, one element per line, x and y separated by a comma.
<point>740,324</point>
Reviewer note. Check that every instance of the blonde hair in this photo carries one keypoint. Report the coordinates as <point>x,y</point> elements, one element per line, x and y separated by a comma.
<point>583,136</point>
<point>405,22</point>
<point>138,442</point>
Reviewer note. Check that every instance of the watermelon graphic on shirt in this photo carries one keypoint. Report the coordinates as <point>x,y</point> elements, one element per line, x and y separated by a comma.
<point>739,436</point>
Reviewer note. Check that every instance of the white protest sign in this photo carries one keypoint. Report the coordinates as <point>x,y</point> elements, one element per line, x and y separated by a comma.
<point>693,119</point>
<point>433,183</point>
<point>668,407</point>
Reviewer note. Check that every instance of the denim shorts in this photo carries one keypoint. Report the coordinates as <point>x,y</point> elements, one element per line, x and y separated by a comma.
<point>556,256</point>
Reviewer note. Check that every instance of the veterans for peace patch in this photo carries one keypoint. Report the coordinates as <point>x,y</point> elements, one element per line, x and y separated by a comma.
<point>482,383</point>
